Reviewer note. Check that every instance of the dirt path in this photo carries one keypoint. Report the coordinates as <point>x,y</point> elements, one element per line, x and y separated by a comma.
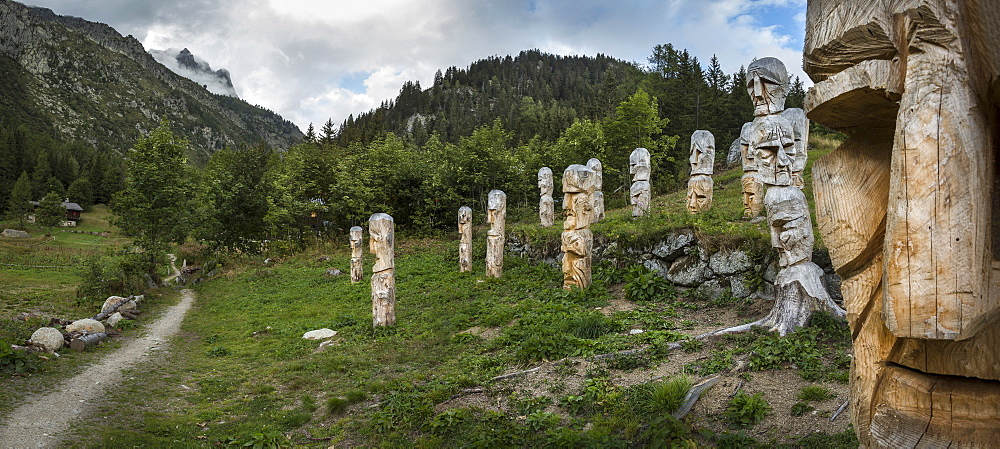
<point>41,421</point>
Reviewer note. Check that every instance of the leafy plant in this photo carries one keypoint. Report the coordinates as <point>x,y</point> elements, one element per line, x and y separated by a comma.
<point>745,410</point>
<point>815,393</point>
<point>259,440</point>
<point>801,408</point>
<point>643,284</point>
<point>16,362</point>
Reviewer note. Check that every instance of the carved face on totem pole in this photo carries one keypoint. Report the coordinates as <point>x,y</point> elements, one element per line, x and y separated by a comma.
<point>598,168</point>
<point>791,228</point>
<point>578,186</point>
<point>380,230</point>
<point>464,217</point>
<point>699,193</point>
<point>702,153</point>
<point>767,84</point>
<point>497,204</point>
<point>908,207</point>
<point>747,156</point>
<point>356,236</point>
<point>638,164</point>
<point>545,183</point>
<point>773,139</point>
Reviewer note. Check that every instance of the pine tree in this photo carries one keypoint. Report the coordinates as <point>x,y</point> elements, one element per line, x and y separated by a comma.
<point>50,211</point>
<point>20,196</point>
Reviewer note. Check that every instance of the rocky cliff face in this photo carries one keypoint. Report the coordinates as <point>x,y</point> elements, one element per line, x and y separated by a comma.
<point>186,64</point>
<point>89,83</point>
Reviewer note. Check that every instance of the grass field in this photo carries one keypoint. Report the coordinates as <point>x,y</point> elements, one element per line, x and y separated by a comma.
<point>239,373</point>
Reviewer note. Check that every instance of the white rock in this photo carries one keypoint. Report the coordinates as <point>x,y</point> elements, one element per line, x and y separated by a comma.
<point>635,331</point>
<point>112,300</point>
<point>86,324</point>
<point>48,337</point>
<point>319,334</point>
<point>114,319</point>
<point>14,233</point>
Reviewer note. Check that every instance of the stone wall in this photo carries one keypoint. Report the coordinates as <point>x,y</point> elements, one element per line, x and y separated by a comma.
<point>681,259</point>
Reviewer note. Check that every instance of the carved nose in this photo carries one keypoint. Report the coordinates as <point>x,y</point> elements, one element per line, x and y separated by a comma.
<point>783,159</point>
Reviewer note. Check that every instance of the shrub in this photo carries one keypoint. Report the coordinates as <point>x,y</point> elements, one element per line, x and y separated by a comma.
<point>16,362</point>
<point>643,284</point>
<point>801,408</point>
<point>746,410</point>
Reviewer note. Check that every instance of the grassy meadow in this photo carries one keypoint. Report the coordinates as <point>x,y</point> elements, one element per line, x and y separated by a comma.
<point>239,373</point>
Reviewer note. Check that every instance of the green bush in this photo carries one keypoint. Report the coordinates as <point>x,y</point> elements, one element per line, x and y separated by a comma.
<point>801,408</point>
<point>643,284</point>
<point>16,362</point>
<point>746,410</point>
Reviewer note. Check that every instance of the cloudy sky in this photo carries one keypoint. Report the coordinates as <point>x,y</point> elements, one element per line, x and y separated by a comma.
<point>312,60</point>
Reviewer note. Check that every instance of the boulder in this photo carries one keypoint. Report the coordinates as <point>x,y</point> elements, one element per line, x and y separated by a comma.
<point>85,325</point>
<point>48,337</point>
<point>672,247</point>
<point>712,288</point>
<point>331,272</point>
<point>112,300</point>
<point>114,319</point>
<point>738,287</point>
<point>771,272</point>
<point>319,334</point>
<point>689,271</point>
<point>727,262</point>
<point>15,234</point>
<point>657,265</point>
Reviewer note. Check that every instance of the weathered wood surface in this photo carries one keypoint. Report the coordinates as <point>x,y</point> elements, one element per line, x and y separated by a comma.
<point>702,159</point>
<point>640,193</point>
<point>546,205</point>
<point>908,206</point>
<point>752,188</point>
<point>699,196</point>
<point>598,195</point>
<point>105,314</point>
<point>465,239</point>
<point>578,185</point>
<point>495,237</point>
<point>87,341</point>
<point>800,127</point>
<point>381,230</point>
<point>357,265</point>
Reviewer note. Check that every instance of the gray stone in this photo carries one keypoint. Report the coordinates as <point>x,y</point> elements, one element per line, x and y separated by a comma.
<point>713,288</point>
<point>671,248</point>
<point>333,272</point>
<point>319,334</point>
<point>657,265</point>
<point>635,331</point>
<point>771,272</point>
<point>729,262</point>
<point>47,337</point>
<point>114,319</point>
<point>87,325</point>
<point>832,284</point>
<point>15,234</point>
<point>738,287</point>
<point>735,155</point>
<point>689,271</point>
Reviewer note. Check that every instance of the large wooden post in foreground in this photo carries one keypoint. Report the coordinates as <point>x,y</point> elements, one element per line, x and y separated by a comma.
<point>909,208</point>
<point>381,229</point>
<point>578,185</point>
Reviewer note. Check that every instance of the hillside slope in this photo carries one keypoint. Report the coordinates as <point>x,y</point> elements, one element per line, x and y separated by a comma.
<point>84,81</point>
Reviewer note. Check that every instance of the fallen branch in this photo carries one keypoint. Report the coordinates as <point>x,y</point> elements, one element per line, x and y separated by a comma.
<point>463,393</point>
<point>624,353</point>
<point>693,394</point>
<point>840,410</point>
<point>516,374</point>
<point>84,342</point>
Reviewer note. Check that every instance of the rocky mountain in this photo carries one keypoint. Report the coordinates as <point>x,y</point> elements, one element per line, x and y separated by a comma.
<point>83,81</point>
<point>184,63</point>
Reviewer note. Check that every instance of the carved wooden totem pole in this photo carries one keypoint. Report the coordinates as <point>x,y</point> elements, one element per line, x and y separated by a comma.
<point>909,206</point>
<point>798,288</point>
<point>465,239</point>
<point>579,183</point>
<point>640,193</point>
<point>702,160</point>
<point>546,207</point>
<point>753,190</point>
<point>357,266</point>
<point>497,203</point>
<point>598,168</point>
<point>800,126</point>
<point>381,230</point>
